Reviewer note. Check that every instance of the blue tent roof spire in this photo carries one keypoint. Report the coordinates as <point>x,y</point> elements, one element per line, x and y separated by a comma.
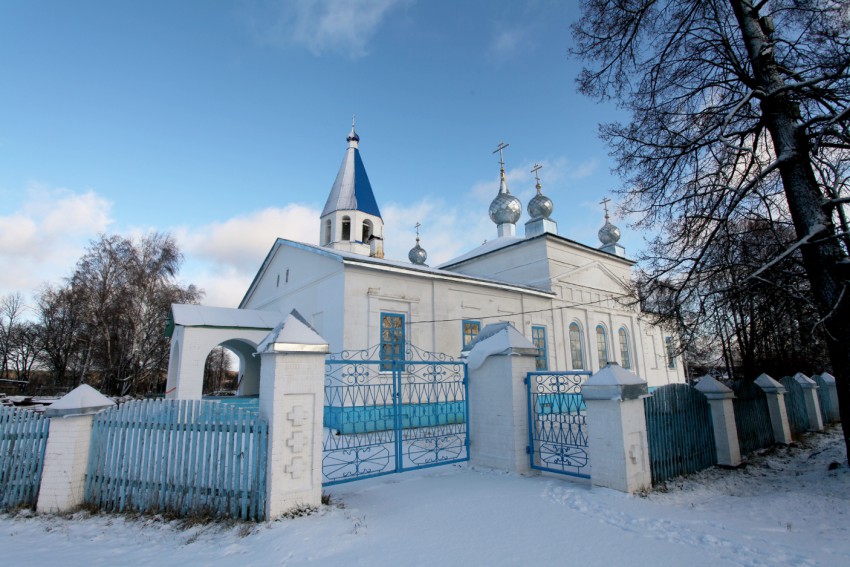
<point>351,190</point>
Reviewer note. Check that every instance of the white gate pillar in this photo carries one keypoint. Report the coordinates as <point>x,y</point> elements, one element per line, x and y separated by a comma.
<point>831,393</point>
<point>810,394</point>
<point>775,393</point>
<point>66,456</point>
<point>292,372</point>
<point>498,363</point>
<point>722,420</point>
<point>616,423</point>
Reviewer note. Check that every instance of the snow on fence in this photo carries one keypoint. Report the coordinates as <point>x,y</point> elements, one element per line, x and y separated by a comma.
<point>752,417</point>
<point>23,438</point>
<point>679,432</point>
<point>795,406</point>
<point>183,457</point>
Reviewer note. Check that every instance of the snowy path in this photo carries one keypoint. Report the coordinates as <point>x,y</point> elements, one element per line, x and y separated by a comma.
<point>786,508</point>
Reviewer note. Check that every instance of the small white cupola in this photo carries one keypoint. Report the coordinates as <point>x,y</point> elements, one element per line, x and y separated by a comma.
<point>351,220</point>
<point>505,209</point>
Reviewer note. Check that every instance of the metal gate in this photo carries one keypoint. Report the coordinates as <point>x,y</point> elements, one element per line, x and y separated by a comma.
<point>386,416</point>
<point>557,423</point>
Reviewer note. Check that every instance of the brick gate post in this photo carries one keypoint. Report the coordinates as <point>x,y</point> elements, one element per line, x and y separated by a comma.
<point>722,420</point>
<point>616,422</point>
<point>292,374</point>
<point>66,456</point>
<point>498,363</point>
<point>810,393</point>
<point>775,393</point>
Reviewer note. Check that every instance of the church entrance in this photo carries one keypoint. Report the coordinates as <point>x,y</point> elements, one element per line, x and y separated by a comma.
<point>390,411</point>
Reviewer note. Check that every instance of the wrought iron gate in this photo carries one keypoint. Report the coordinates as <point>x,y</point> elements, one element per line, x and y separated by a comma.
<point>557,424</point>
<point>386,416</point>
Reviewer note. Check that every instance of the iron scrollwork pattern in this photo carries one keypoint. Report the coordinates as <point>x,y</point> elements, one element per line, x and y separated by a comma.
<point>557,422</point>
<point>379,421</point>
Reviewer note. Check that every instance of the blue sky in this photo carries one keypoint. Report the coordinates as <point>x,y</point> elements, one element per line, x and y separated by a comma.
<point>224,123</point>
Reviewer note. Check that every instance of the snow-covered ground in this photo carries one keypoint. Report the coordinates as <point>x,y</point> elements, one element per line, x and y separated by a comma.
<point>790,506</point>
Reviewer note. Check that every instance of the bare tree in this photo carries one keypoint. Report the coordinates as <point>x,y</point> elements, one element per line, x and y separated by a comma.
<point>11,312</point>
<point>122,290</point>
<point>731,100</point>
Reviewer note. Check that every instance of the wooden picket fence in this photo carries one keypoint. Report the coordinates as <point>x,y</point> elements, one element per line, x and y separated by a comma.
<point>752,417</point>
<point>795,406</point>
<point>180,457</point>
<point>679,432</point>
<point>23,439</point>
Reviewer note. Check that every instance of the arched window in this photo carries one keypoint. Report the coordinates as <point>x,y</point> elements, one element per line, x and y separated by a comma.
<point>346,228</point>
<point>602,346</point>
<point>625,351</point>
<point>576,350</point>
<point>327,239</point>
<point>367,231</point>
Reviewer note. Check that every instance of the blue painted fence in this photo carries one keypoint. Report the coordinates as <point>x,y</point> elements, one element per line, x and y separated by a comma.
<point>23,438</point>
<point>181,457</point>
<point>752,417</point>
<point>679,432</point>
<point>795,406</point>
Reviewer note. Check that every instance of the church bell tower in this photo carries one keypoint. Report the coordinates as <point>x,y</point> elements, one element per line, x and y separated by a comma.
<point>351,220</point>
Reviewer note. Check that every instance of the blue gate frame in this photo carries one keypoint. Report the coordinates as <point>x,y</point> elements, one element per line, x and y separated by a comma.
<point>557,424</point>
<point>387,416</point>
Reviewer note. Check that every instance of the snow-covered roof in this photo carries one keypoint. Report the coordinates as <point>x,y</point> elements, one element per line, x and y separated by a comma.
<point>507,241</point>
<point>204,316</point>
<point>293,333</point>
<point>399,266</point>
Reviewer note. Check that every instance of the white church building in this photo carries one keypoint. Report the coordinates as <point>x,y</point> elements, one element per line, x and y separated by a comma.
<point>568,298</point>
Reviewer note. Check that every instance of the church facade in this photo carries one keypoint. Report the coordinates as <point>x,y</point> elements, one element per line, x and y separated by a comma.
<point>568,298</point>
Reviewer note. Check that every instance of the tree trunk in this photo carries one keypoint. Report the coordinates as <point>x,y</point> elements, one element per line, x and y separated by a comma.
<point>822,256</point>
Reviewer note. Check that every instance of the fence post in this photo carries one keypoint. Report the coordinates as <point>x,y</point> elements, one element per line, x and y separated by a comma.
<point>831,392</point>
<point>66,456</point>
<point>810,394</point>
<point>723,420</point>
<point>616,423</point>
<point>292,373</point>
<point>775,393</point>
<point>499,362</point>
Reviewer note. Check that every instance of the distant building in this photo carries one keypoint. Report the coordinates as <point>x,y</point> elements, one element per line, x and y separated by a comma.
<point>567,297</point>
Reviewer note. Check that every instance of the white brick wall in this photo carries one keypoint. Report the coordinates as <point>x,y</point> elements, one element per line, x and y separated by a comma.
<point>65,462</point>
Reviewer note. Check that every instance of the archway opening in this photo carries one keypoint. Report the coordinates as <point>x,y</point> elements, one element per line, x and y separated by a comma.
<point>221,372</point>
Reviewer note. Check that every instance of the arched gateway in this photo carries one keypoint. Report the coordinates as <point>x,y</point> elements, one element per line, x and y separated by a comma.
<point>195,330</point>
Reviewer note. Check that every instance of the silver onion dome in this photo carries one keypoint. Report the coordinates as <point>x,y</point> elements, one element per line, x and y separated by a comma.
<point>417,254</point>
<point>540,206</point>
<point>609,234</point>
<point>505,208</point>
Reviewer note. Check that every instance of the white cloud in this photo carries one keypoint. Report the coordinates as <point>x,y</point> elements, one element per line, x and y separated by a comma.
<point>223,257</point>
<point>506,42</point>
<point>43,239</point>
<point>321,26</point>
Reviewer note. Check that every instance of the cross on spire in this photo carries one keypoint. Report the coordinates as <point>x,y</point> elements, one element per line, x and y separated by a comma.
<point>353,116</point>
<point>417,225</point>
<point>500,149</point>
<point>604,202</point>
